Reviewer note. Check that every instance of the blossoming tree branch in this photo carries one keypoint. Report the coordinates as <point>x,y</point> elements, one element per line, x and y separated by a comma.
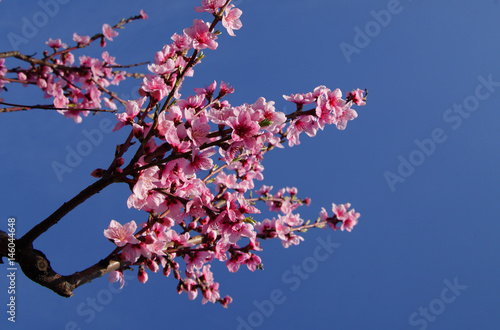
<point>191,163</point>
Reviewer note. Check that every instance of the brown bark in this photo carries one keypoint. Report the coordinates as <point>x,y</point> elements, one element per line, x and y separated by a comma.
<point>36,267</point>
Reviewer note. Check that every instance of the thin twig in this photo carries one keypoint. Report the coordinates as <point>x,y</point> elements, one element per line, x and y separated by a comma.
<point>20,107</point>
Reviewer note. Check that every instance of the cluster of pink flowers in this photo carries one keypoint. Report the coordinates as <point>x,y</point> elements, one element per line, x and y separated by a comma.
<point>341,215</point>
<point>207,155</point>
<point>3,71</point>
<point>197,158</point>
<point>76,87</point>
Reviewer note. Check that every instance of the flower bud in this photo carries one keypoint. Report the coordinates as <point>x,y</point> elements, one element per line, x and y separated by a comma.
<point>98,173</point>
<point>142,275</point>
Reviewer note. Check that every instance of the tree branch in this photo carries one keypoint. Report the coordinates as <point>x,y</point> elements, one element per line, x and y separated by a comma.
<point>21,107</point>
<point>36,266</point>
<point>43,226</point>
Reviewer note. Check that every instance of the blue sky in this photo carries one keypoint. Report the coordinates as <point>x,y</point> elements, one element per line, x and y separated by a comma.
<point>420,164</point>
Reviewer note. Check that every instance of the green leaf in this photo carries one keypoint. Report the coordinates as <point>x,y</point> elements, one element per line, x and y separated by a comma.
<point>265,122</point>
<point>250,220</point>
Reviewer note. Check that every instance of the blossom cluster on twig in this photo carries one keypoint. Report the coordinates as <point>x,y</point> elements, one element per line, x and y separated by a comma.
<point>191,163</point>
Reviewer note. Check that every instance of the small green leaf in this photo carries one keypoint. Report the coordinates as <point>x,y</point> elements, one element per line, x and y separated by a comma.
<point>265,122</point>
<point>250,220</point>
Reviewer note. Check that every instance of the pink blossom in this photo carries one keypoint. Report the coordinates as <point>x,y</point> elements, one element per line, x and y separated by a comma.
<point>154,86</point>
<point>167,67</point>
<point>275,120</point>
<point>320,90</point>
<point>178,240</point>
<point>173,172</point>
<point>220,115</point>
<point>323,215</point>
<point>135,251</point>
<point>226,301</point>
<point>56,43</point>
<point>132,109</point>
<point>231,19</point>
<point>3,71</point>
<point>202,37</point>
<point>68,59</point>
<point>253,262</point>
<point>198,132</point>
<point>192,102</point>
<point>235,150</point>
<point>168,120</point>
<point>300,98</point>
<point>357,97</point>
<point>108,32</point>
<point>264,190</point>
<point>181,42</point>
<point>109,103</point>
<point>291,239</point>
<point>115,276</point>
<point>233,233</point>
<point>325,115</point>
<point>143,14</point>
<point>247,207</point>
<point>282,229</point>
<point>209,6</point>
<point>237,259</point>
<point>264,106</point>
<point>211,292</point>
<point>352,220</point>
<point>81,40</point>
<point>346,115</point>
<point>267,228</point>
<point>284,206</point>
<point>107,58</point>
<point>195,208</point>
<point>341,210</point>
<point>225,89</point>
<point>173,138</point>
<point>226,180</point>
<point>191,288</point>
<point>334,100</point>
<point>244,128</point>
<point>117,77</point>
<point>122,234</point>
<point>208,91</point>
<point>292,220</point>
<point>156,247</point>
<point>143,194</point>
<point>196,260</point>
<point>230,212</point>
<point>347,218</point>
<point>200,161</point>
<point>159,229</point>
<point>167,52</point>
<point>305,124</point>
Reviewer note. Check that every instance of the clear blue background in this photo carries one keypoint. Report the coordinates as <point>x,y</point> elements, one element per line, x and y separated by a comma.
<point>440,224</point>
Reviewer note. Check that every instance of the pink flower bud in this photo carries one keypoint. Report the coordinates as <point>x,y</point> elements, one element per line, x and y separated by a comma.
<point>98,173</point>
<point>142,275</point>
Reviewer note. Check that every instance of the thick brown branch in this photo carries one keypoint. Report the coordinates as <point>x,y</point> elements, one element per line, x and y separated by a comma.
<point>36,266</point>
<point>43,226</point>
<point>9,54</point>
